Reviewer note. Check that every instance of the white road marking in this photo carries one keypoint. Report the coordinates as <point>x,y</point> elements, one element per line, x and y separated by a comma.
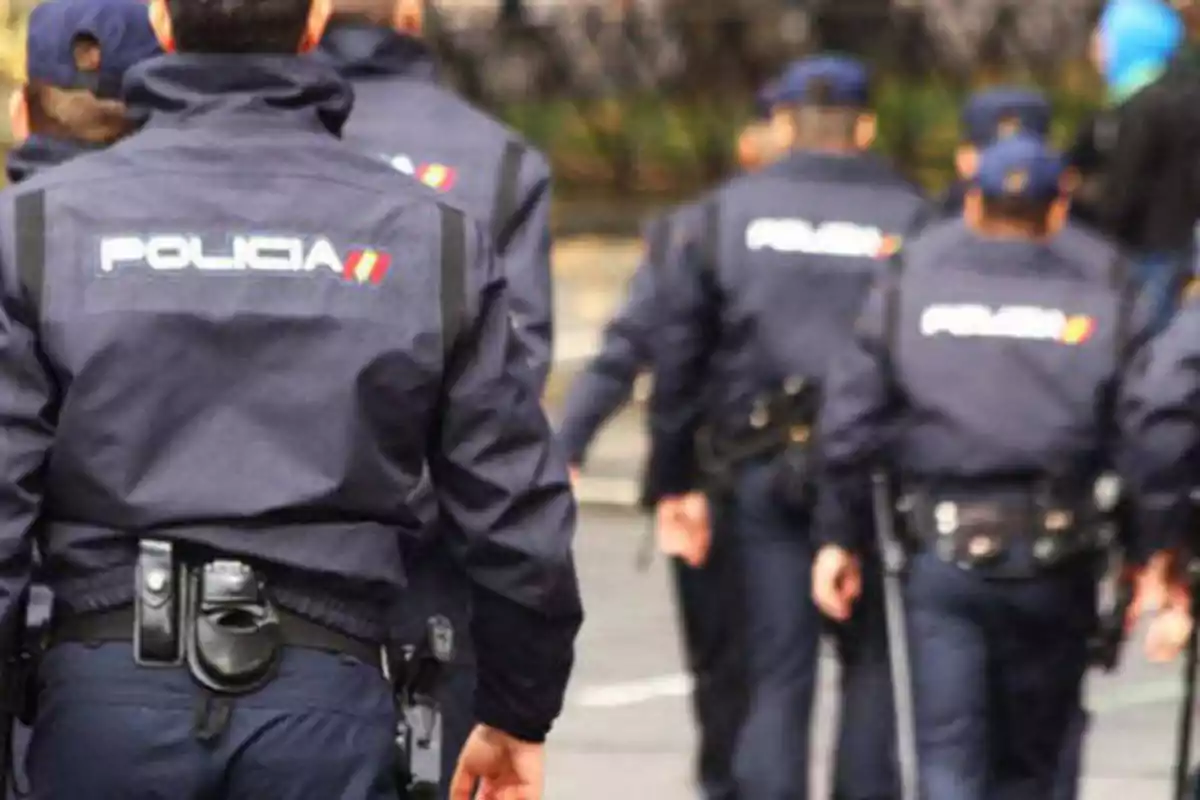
<point>631,693</point>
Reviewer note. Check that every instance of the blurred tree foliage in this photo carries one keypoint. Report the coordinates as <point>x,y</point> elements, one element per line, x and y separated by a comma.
<point>647,97</point>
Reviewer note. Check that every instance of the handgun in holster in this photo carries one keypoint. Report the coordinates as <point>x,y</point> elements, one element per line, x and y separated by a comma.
<point>417,676</point>
<point>779,429</point>
<point>21,647</point>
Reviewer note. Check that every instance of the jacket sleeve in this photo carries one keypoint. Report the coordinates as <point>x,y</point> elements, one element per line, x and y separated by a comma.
<point>686,336</point>
<point>855,418</point>
<point>524,247</point>
<point>28,404</point>
<point>504,489</point>
<point>606,383</point>
<point>1160,434</point>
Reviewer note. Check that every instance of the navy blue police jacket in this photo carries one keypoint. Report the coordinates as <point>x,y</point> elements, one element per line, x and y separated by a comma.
<point>769,296</point>
<point>1161,402</point>
<point>978,361</point>
<point>35,154</point>
<point>403,116</point>
<point>241,340</point>
<point>606,383</point>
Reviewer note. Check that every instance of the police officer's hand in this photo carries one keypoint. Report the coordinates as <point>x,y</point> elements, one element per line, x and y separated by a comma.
<point>574,472</point>
<point>683,529</point>
<point>837,582</point>
<point>504,767</point>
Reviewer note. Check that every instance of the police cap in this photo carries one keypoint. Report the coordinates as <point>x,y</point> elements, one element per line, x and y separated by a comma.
<point>121,28</point>
<point>1020,167</point>
<point>1003,112</point>
<point>821,80</point>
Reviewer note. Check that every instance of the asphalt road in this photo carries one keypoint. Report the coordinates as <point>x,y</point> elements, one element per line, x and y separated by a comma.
<point>626,733</point>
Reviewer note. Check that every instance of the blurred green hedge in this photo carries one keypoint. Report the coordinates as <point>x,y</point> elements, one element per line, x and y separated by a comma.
<point>654,145</point>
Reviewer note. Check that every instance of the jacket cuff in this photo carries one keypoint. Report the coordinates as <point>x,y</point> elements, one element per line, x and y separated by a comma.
<point>1163,525</point>
<point>525,659</point>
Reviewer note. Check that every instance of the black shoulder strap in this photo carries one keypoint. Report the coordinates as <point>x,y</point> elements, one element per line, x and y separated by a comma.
<point>30,221</point>
<point>1118,278</point>
<point>710,245</point>
<point>658,242</point>
<point>453,278</point>
<point>507,185</point>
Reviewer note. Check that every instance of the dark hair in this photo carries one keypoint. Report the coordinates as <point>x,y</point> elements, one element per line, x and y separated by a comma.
<point>373,12</point>
<point>238,26</point>
<point>77,114</point>
<point>820,119</point>
<point>1019,210</point>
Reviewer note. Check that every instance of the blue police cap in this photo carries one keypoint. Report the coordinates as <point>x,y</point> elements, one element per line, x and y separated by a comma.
<point>1020,166</point>
<point>121,27</point>
<point>844,82</point>
<point>1002,112</point>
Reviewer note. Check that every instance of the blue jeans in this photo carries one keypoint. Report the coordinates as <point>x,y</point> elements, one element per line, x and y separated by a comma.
<point>783,635</point>
<point>1162,278</point>
<point>998,672</point>
<point>107,729</point>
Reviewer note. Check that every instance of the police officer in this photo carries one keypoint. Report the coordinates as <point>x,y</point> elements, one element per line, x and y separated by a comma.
<point>989,115</point>
<point>707,593</point>
<point>771,270</point>
<point>212,431</point>
<point>405,116</point>
<point>76,52</point>
<point>423,128</point>
<point>983,376</point>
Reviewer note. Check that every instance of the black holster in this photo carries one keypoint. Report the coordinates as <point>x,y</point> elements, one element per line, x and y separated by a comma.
<point>236,640</point>
<point>780,430</point>
<point>213,615</point>
<point>417,676</point>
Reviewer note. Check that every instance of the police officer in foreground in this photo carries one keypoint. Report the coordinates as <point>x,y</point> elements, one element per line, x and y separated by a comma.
<point>708,593</point>
<point>983,379</point>
<point>212,433</point>
<point>404,115</point>
<point>76,52</point>
<point>765,286</point>
<point>987,116</point>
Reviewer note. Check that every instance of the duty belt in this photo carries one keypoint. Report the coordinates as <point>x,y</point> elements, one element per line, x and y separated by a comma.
<point>1010,534</point>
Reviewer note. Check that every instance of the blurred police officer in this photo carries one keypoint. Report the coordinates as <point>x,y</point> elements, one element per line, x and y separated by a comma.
<point>1139,157</point>
<point>983,376</point>
<point>987,116</point>
<point>205,419</point>
<point>405,116</point>
<point>768,278</point>
<point>708,597</point>
<point>76,52</point>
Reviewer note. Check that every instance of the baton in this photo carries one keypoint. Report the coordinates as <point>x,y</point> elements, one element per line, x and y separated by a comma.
<point>892,556</point>
<point>1183,750</point>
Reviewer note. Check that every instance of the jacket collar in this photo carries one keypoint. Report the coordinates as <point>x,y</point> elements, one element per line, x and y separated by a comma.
<point>360,50</point>
<point>850,167</point>
<point>257,91</point>
<point>38,153</point>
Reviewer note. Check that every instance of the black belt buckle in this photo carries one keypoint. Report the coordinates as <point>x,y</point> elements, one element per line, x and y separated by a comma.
<point>234,634</point>
<point>157,606</point>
